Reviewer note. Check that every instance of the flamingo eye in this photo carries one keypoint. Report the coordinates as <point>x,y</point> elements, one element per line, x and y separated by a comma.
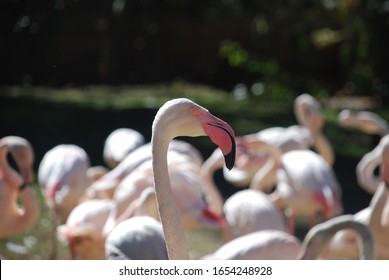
<point>195,112</point>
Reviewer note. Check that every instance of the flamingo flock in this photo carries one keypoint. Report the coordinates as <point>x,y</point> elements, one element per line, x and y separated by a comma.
<point>150,195</point>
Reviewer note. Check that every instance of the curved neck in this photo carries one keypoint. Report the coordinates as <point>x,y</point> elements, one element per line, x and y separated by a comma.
<point>214,198</point>
<point>329,228</point>
<point>268,170</point>
<point>377,206</point>
<point>314,124</point>
<point>167,208</point>
<point>7,173</point>
<point>366,240</point>
<point>365,170</point>
<point>323,147</point>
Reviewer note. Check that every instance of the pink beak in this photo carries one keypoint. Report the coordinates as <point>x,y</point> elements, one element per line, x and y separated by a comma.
<point>223,136</point>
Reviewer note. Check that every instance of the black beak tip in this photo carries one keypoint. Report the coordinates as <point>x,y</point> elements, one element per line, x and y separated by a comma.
<point>230,159</point>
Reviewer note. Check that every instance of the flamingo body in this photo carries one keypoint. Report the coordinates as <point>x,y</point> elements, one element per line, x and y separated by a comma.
<point>250,210</point>
<point>62,175</point>
<point>138,238</point>
<point>19,205</point>
<point>307,184</point>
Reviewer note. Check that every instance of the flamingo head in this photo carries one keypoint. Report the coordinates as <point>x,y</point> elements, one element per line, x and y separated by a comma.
<point>183,117</point>
<point>222,135</point>
<point>75,235</point>
<point>207,213</point>
<point>23,154</point>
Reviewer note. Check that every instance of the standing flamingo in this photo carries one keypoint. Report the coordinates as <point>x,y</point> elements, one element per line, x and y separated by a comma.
<point>308,133</point>
<point>191,120</point>
<point>308,112</point>
<point>84,230</point>
<point>367,165</point>
<point>187,191</point>
<point>376,216</point>
<point>16,218</point>
<point>245,211</point>
<point>62,175</point>
<point>182,117</point>
<point>278,245</point>
<point>369,123</point>
<point>105,186</point>
<point>306,184</point>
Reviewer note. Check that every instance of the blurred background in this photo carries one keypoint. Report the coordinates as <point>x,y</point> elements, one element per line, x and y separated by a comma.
<point>72,71</point>
<point>317,46</point>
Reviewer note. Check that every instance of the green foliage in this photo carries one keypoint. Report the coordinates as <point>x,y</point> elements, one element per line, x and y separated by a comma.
<point>314,46</point>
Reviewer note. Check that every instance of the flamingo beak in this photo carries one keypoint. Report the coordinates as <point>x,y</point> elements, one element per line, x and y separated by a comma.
<point>211,215</point>
<point>223,136</point>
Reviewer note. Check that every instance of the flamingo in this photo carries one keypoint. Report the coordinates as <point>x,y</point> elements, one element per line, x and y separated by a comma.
<point>137,238</point>
<point>278,245</point>
<point>189,116</point>
<point>92,220</point>
<point>296,137</point>
<point>17,218</point>
<point>62,175</point>
<point>182,117</point>
<point>187,192</point>
<point>368,122</point>
<point>367,165</point>
<point>84,230</point>
<point>105,186</point>
<point>146,204</point>
<point>308,112</point>
<point>306,184</point>
<point>376,215</point>
<point>249,211</point>
<point>245,211</point>
<point>119,144</point>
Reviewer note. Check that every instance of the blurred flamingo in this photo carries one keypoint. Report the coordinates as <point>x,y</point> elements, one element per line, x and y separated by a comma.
<point>105,186</point>
<point>376,216</point>
<point>62,175</point>
<point>245,211</point>
<point>307,134</point>
<point>187,191</point>
<point>306,184</point>
<point>119,144</point>
<point>84,229</point>
<point>189,119</point>
<point>278,245</point>
<point>138,238</point>
<point>15,217</point>
<point>368,122</point>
